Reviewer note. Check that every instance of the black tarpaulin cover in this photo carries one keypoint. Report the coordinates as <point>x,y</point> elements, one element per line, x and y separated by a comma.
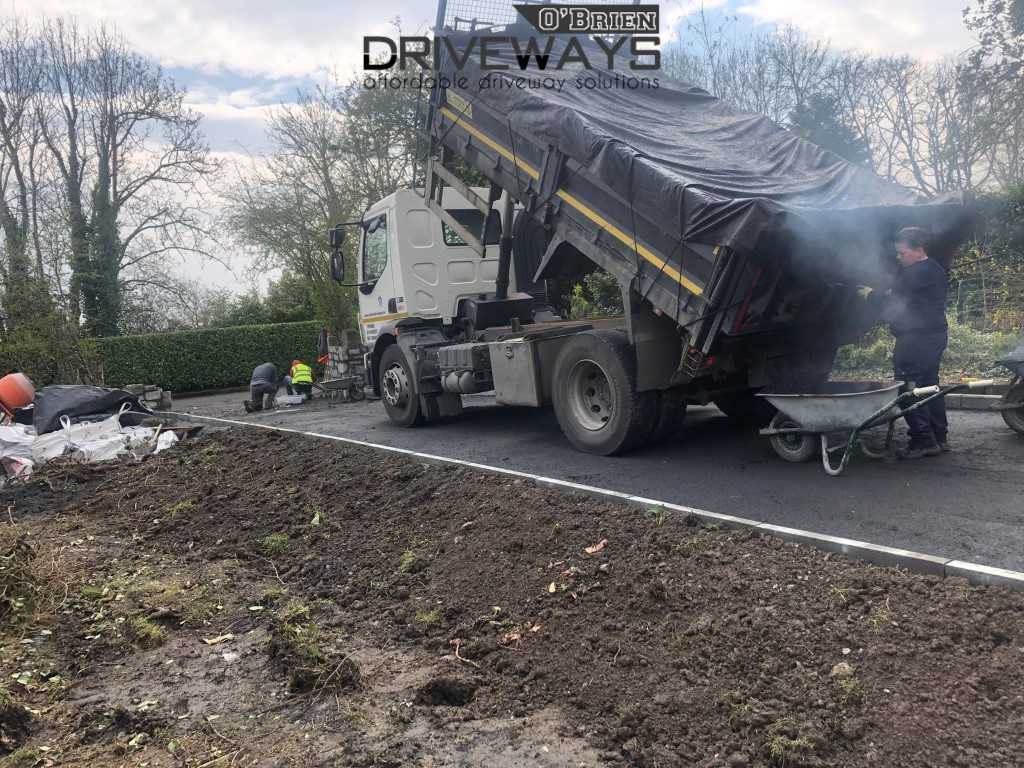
<point>707,172</point>
<point>73,400</point>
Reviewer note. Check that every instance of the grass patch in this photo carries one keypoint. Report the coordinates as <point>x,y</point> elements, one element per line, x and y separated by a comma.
<point>850,692</point>
<point>145,633</point>
<point>181,508</point>
<point>784,746</point>
<point>410,562</point>
<point>429,618</point>
<point>272,595</point>
<point>19,585</point>
<point>92,592</point>
<point>191,604</point>
<point>33,579</point>
<point>880,617</point>
<point>275,544</point>
<point>297,646</point>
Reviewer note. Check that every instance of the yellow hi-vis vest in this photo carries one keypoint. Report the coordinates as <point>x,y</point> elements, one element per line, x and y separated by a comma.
<point>302,374</point>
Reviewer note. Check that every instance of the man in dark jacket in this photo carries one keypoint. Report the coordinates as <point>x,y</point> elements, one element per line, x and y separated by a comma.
<point>262,388</point>
<point>916,313</point>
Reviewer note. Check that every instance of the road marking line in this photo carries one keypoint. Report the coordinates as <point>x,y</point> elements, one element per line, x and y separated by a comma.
<point>878,554</point>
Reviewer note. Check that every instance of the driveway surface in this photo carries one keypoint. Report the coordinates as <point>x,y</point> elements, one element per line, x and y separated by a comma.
<point>968,504</point>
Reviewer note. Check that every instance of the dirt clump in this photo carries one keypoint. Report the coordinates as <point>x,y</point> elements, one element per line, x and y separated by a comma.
<point>14,721</point>
<point>297,646</point>
<point>446,691</point>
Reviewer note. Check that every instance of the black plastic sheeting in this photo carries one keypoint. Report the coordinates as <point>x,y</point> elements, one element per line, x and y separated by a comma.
<point>77,400</point>
<point>710,173</point>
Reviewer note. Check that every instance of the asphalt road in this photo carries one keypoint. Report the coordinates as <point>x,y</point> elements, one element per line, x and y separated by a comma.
<point>968,504</point>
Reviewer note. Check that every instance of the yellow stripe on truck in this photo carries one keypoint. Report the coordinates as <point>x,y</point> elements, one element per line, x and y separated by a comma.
<point>383,318</point>
<point>618,234</point>
<point>477,133</point>
<point>595,217</point>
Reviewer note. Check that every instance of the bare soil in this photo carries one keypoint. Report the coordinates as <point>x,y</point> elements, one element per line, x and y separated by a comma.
<point>261,599</point>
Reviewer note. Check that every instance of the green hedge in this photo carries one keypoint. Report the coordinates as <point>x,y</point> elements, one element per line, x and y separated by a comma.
<point>187,361</point>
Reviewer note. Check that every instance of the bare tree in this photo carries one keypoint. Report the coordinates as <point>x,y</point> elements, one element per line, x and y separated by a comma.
<point>21,69</point>
<point>132,160</point>
<point>336,151</point>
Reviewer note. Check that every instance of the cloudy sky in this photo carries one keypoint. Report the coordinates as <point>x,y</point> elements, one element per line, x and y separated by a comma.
<point>238,58</point>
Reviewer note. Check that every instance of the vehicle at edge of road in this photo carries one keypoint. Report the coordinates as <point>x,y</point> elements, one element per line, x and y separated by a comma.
<point>454,280</point>
<point>1012,405</point>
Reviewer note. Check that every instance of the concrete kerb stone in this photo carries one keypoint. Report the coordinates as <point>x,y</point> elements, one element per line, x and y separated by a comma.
<point>985,574</point>
<point>877,554</point>
<point>862,550</point>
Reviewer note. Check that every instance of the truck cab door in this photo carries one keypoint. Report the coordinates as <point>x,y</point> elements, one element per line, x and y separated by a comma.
<point>379,300</point>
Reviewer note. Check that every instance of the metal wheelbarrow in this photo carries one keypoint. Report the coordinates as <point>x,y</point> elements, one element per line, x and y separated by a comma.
<point>348,388</point>
<point>846,410</point>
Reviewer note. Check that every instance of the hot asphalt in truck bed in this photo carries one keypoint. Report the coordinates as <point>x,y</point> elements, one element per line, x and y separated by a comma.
<point>966,504</point>
<point>255,598</point>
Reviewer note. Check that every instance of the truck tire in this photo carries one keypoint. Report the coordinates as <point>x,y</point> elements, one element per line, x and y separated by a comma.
<point>595,396</point>
<point>398,388</point>
<point>1015,418</point>
<point>669,414</point>
<point>745,407</point>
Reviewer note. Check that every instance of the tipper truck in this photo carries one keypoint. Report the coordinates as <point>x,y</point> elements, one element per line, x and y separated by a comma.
<point>738,246</point>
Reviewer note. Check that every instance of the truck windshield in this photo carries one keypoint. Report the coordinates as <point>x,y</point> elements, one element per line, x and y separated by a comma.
<point>471,219</point>
<point>375,248</point>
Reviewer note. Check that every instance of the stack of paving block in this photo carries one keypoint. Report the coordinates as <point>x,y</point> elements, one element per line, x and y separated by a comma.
<point>152,396</point>
<point>346,359</point>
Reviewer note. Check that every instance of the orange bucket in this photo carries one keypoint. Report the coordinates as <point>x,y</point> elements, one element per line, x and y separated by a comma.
<point>16,391</point>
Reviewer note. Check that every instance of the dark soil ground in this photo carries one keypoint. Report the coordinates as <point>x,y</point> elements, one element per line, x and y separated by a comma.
<point>254,598</point>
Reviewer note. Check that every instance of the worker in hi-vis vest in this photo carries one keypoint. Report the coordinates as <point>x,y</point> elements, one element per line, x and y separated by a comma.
<point>299,379</point>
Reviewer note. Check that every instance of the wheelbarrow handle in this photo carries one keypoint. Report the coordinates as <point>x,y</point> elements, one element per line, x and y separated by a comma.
<point>925,391</point>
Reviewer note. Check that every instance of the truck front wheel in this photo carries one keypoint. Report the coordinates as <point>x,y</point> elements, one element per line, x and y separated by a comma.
<point>398,388</point>
<point>595,396</point>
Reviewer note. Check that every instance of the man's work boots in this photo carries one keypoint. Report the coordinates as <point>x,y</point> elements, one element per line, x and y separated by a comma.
<point>919,451</point>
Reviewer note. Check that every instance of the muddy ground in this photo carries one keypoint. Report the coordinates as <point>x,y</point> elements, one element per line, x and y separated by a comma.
<point>260,599</point>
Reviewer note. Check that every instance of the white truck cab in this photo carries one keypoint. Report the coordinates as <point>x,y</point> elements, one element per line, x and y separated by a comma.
<point>412,264</point>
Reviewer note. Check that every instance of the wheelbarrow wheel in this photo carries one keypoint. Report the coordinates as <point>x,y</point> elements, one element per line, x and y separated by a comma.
<point>793,447</point>
<point>1014,418</point>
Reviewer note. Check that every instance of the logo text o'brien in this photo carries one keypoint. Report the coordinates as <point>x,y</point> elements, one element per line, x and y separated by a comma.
<point>592,19</point>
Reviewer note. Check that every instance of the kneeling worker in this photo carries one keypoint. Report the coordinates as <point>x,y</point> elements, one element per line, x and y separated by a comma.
<point>262,388</point>
<point>299,379</point>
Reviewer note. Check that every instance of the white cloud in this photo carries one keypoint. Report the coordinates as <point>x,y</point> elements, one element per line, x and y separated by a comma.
<point>926,28</point>
<point>262,37</point>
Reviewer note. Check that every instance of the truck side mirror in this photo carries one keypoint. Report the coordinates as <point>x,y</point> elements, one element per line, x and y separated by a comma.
<point>336,235</point>
<point>338,266</point>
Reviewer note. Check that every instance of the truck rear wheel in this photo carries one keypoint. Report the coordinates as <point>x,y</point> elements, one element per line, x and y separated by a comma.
<point>398,388</point>
<point>671,410</point>
<point>595,396</point>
